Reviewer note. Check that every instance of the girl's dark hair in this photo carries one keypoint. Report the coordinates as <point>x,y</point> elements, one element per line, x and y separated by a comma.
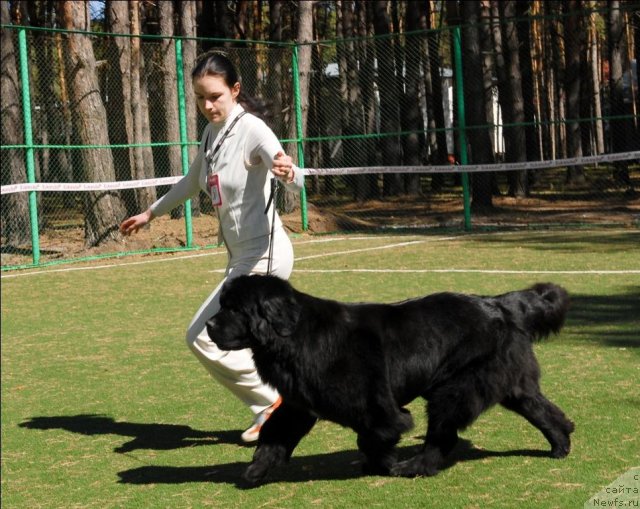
<point>217,63</point>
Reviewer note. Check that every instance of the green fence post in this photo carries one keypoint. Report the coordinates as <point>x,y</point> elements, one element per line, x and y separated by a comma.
<point>299,133</point>
<point>462,135</point>
<point>28,141</point>
<point>182,112</point>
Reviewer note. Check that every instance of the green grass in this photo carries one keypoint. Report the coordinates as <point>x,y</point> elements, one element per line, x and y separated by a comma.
<point>104,406</point>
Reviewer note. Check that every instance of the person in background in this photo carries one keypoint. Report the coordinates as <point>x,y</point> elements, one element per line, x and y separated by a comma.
<point>237,158</point>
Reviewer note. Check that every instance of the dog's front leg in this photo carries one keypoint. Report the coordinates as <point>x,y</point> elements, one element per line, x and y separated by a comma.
<point>265,457</point>
<point>279,436</point>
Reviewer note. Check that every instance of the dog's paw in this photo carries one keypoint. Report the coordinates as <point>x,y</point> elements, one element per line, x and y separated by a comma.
<point>414,467</point>
<point>560,451</point>
<point>255,473</point>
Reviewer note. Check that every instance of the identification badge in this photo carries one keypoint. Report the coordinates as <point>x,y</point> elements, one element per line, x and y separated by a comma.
<point>214,189</point>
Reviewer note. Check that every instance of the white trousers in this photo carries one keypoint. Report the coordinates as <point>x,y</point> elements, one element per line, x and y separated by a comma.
<point>235,370</point>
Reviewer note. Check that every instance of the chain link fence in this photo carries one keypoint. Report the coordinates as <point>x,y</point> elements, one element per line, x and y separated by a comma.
<point>409,132</point>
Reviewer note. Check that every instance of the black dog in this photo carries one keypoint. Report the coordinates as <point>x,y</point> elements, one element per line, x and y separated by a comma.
<point>359,364</point>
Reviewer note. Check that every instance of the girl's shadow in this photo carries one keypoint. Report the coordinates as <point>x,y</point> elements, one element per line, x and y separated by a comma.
<point>145,436</point>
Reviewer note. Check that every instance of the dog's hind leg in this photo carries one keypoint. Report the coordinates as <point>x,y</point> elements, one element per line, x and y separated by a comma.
<point>442,436</point>
<point>279,436</point>
<point>450,409</point>
<point>378,435</point>
<point>379,448</point>
<point>545,416</point>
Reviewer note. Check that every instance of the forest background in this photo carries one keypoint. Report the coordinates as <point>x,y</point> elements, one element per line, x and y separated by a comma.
<point>373,88</point>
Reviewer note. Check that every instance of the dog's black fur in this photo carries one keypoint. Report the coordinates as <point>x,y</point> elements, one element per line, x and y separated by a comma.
<point>359,364</point>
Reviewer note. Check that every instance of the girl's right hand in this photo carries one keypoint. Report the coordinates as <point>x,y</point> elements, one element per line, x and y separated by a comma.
<point>134,223</point>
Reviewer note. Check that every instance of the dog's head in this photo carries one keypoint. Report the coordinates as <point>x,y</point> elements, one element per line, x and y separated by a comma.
<point>253,310</point>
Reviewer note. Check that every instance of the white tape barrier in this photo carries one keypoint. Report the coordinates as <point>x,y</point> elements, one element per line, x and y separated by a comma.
<point>89,186</point>
<point>471,168</point>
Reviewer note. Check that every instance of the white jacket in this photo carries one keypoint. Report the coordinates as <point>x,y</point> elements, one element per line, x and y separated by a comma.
<point>243,166</point>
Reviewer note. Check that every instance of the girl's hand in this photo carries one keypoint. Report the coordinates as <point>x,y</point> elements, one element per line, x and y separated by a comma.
<point>134,223</point>
<point>283,167</point>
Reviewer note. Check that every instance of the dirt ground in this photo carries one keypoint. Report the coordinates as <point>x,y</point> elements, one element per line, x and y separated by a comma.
<point>66,241</point>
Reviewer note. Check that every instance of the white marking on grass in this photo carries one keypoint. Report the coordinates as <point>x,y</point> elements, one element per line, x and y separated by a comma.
<point>113,265</point>
<point>471,271</point>
<point>364,249</point>
<point>337,253</point>
<point>168,259</point>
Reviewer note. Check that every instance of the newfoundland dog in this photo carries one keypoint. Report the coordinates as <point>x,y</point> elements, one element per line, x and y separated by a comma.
<point>359,364</point>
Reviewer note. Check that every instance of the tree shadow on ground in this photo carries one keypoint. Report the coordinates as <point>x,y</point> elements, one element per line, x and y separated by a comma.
<point>566,241</point>
<point>145,435</point>
<point>613,320</point>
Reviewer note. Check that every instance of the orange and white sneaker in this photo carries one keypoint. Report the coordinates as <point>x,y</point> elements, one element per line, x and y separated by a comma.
<point>251,435</point>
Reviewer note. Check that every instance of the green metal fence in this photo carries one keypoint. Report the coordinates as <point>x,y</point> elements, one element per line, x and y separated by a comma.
<point>380,156</point>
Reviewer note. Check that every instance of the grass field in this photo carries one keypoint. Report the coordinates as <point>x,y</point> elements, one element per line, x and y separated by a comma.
<point>103,406</point>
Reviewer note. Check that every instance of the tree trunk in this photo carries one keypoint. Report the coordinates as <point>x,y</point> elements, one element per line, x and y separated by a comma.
<point>305,35</point>
<point>436,133</point>
<point>619,127</point>
<point>142,156</point>
<point>103,210</point>
<point>513,106</point>
<point>368,187</point>
<point>215,22</point>
<point>274,78</point>
<point>523,11</point>
<point>636,55</point>
<point>63,159</point>
<point>475,106</point>
<point>389,121</point>
<point>574,48</point>
<point>352,118</point>
<point>119,93</point>
<point>15,206</point>
<point>556,42</point>
<point>170,95</point>
<point>595,82</point>
<point>411,118</point>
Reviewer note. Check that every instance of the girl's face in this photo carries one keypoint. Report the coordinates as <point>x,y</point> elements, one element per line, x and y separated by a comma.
<point>215,99</point>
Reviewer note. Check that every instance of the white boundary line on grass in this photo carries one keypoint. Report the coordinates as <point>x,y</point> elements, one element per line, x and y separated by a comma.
<point>336,253</point>
<point>364,249</point>
<point>112,265</point>
<point>199,255</point>
<point>458,271</point>
<point>470,271</point>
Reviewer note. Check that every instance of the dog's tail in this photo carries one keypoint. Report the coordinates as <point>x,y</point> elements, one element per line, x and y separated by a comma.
<point>540,311</point>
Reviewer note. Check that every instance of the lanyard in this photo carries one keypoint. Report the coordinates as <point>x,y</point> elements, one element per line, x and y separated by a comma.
<point>210,156</point>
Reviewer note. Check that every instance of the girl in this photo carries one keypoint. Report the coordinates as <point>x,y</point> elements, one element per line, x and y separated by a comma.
<point>237,157</point>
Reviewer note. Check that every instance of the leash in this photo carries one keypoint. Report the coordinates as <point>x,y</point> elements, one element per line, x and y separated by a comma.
<point>209,155</point>
<point>272,199</point>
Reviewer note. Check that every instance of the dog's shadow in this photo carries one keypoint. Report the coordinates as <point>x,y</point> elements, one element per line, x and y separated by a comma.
<point>144,435</point>
<point>336,466</point>
<point>341,465</point>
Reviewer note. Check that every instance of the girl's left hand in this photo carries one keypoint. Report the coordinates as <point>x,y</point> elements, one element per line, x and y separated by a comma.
<point>283,167</point>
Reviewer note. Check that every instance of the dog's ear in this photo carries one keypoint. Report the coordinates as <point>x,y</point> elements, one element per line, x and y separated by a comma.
<point>282,312</point>
<point>259,327</point>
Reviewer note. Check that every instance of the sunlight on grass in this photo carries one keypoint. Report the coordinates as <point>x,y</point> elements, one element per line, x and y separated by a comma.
<point>103,405</point>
